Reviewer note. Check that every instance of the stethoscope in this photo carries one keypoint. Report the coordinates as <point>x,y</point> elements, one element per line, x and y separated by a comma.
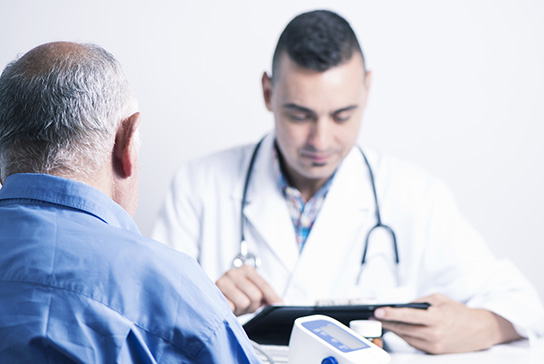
<point>244,257</point>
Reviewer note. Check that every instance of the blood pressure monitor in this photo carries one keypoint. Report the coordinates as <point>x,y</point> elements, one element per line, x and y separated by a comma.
<point>320,339</point>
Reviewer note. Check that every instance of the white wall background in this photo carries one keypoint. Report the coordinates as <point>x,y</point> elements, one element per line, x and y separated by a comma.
<point>458,89</point>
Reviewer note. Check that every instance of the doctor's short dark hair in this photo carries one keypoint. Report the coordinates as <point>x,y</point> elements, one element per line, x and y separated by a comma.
<point>317,40</point>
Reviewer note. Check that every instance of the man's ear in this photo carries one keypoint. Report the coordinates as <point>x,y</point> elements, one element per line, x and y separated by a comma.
<point>267,90</point>
<point>125,148</point>
<point>368,80</point>
<point>367,84</point>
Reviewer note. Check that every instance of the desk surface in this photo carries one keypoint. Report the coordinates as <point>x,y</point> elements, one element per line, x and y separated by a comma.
<point>518,352</point>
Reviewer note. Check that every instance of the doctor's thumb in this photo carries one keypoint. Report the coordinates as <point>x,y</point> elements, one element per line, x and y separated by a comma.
<point>270,297</point>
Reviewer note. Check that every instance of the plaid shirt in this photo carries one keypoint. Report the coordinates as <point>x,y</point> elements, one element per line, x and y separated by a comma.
<point>303,214</point>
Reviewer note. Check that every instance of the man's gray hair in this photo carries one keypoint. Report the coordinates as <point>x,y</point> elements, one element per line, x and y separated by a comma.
<point>60,116</point>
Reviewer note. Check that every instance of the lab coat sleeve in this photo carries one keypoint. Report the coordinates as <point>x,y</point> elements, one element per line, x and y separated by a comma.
<point>178,223</point>
<point>458,263</point>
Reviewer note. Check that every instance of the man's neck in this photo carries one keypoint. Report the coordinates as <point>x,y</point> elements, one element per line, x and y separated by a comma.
<point>306,186</point>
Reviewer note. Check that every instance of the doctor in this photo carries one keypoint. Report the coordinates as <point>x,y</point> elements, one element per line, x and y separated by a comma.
<point>311,199</point>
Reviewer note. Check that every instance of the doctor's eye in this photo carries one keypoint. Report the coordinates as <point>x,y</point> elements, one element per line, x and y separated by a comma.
<point>300,116</point>
<point>342,117</point>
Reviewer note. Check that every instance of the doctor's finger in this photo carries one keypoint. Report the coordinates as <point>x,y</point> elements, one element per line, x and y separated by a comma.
<point>231,290</point>
<point>247,281</point>
<point>422,344</point>
<point>435,299</point>
<point>239,302</point>
<point>269,296</point>
<point>406,330</point>
<point>253,292</point>
<point>412,316</point>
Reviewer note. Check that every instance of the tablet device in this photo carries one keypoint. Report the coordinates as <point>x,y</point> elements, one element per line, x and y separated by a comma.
<point>273,324</point>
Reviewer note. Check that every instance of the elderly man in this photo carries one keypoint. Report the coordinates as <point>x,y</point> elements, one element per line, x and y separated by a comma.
<point>78,282</point>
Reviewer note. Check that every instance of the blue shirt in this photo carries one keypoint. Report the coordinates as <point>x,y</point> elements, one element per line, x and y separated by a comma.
<point>79,283</point>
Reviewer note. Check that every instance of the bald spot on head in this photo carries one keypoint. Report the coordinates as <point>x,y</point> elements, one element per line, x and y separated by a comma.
<point>45,57</point>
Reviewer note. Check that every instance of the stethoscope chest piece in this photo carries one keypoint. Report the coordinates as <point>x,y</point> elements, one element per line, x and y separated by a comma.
<point>245,258</point>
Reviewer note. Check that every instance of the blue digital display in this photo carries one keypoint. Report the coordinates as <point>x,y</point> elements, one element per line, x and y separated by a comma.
<point>335,335</point>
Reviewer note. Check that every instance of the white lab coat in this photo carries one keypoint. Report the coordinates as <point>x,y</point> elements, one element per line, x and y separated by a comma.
<point>439,252</point>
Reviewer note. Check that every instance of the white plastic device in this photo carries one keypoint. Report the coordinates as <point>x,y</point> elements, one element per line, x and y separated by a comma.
<point>319,339</point>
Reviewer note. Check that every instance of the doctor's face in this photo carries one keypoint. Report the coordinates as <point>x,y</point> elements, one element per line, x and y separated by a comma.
<point>317,116</point>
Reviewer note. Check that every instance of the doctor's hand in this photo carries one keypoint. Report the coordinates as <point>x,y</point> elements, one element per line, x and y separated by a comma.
<point>446,326</point>
<point>246,291</point>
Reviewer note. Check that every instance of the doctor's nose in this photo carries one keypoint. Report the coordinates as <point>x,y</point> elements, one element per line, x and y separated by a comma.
<point>319,135</point>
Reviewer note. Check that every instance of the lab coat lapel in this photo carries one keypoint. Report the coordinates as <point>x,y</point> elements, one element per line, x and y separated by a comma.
<point>338,226</point>
<point>266,209</point>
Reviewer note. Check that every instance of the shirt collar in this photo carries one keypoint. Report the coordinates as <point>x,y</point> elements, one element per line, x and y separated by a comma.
<point>69,193</point>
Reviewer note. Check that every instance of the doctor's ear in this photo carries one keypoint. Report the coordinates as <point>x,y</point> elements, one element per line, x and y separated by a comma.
<point>367,84</point>
<point>368,80</point>
<point>266,82</point>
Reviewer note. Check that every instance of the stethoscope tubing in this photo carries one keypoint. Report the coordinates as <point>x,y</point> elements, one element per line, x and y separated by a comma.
<point>379,223</point>
<point>246,185</point>
<point>245,256</point>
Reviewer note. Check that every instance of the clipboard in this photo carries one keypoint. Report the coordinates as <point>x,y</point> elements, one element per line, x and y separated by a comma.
<point>273,324</point>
